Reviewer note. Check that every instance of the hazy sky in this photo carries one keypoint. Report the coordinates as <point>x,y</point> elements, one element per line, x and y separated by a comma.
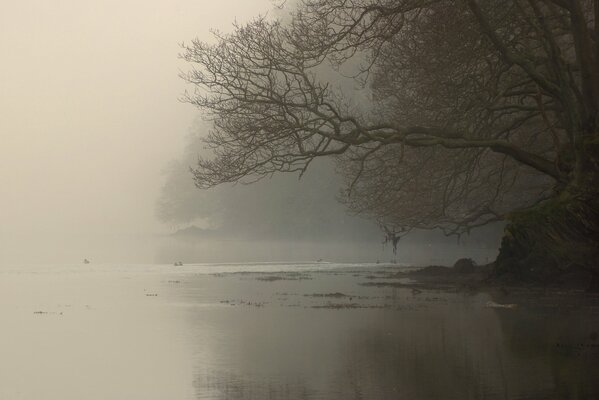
<point>89,109</point>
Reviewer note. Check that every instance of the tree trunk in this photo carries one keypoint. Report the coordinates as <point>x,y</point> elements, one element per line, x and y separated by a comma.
<point>556,237</point>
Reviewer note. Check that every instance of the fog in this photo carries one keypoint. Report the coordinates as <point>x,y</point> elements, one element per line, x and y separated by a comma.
<point>96,149</point>
<point>285,218</point>
<point>91,117</point>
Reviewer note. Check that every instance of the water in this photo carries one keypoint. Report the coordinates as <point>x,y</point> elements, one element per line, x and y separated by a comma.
<point>282,331</point>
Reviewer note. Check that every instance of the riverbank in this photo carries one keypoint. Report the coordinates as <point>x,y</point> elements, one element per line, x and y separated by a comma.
<point>466,276</point>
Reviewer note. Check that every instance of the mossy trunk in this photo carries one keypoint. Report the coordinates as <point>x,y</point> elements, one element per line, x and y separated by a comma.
<point>560,235</point>
<point>556,237</point>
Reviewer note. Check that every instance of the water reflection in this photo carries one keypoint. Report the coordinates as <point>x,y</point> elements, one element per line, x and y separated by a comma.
<point>561,336</point>
<point>259,332</point>
<point>445,346</point>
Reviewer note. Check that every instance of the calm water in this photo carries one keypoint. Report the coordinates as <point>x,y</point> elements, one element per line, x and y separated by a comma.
<point>254,332</point>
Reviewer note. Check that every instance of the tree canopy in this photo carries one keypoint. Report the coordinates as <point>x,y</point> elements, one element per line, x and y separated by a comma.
<point>477,108</point>
<point>282,207</point>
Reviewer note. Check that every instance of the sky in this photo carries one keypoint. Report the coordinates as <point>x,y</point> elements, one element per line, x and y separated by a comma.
<point>91,123</point>
<point>90,113</point>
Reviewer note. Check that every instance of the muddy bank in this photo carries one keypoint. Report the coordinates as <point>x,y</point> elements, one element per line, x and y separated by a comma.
<point>466,276</point>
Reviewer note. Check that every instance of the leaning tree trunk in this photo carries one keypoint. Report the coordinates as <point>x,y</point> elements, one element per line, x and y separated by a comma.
<point>555,237</point>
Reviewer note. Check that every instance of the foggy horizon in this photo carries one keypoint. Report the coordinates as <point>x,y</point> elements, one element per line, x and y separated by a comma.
<point>92,117</point>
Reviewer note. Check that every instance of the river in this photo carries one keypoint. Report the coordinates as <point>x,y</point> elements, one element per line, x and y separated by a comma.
<point>283,331</point>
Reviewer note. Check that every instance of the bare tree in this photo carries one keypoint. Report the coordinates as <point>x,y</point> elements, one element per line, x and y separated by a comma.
<point>480,111</point>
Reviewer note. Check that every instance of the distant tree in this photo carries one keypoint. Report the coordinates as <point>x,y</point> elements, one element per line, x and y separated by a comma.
<point>281,207</point>
<point>480,110</point>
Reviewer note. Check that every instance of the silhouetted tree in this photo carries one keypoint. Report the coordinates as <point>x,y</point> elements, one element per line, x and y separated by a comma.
<point>478,111</point>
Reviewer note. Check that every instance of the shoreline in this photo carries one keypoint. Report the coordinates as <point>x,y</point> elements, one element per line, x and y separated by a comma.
<point>481,279</point>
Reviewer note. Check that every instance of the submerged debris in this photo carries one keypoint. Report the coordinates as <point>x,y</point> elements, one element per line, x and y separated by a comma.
<point>244,303</point>
<point>339,306</point>
<point>47,312</point>
<point>270,278</point>
<point>285,277</point>
<point>492,304</point>
<point>336,294</point>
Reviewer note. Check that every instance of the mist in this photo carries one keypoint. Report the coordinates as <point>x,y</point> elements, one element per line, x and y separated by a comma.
<point>90,119</point>
<point>299,199</point>
<point>96,151</point>
<point>286,217</point>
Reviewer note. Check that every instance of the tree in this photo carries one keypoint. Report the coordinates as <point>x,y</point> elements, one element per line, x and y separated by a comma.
<point>281,208</point>
<point>479,111</point>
